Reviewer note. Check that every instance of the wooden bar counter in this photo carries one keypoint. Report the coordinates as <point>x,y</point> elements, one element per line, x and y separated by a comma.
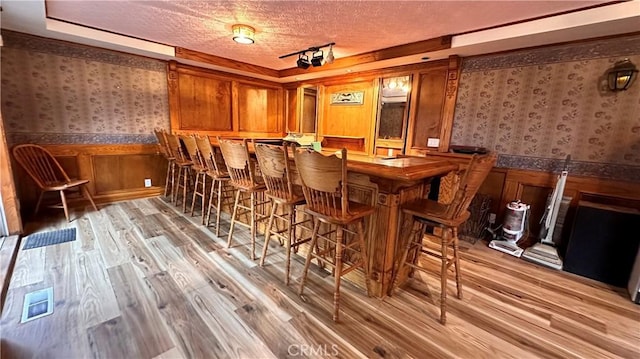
<point>387,183</point>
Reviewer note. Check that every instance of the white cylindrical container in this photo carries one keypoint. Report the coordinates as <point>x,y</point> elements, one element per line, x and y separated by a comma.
<point>514,221</point>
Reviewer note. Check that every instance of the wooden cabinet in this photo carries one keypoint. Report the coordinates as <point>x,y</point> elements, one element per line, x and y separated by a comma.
<point>433,101</point>
<point>217,103</point>
<point>302,109</point>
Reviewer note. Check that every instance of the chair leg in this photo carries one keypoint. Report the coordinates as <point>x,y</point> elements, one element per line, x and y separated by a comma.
<point>86,193</point>
<point>194,195</point>
<point>184,189</point>
<point>456,261</point>
<point>206,216</point>
<point>443,279</point>
<point>365,256</point>
<point>291,238</point>
<point>166,182</point>
<point>219,208</point>
<point>307,263</point>
<point>403,259</point>
<point>252,221</point>
<point>267,233</point>
<point>64,205</point>
<point>35,212</point>
<point>338,273</point>
<point>233,218</point>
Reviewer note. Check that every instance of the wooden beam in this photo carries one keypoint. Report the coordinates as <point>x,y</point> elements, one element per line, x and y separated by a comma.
<point>182,53</point>
<point>7,187</point>
<point>435,44</point>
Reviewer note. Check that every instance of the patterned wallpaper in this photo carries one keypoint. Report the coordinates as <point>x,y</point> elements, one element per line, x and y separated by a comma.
<point>59,92</point>
<point>535,107</point>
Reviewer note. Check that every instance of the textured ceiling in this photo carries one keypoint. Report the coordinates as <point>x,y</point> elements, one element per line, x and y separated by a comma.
<point>283,27</point>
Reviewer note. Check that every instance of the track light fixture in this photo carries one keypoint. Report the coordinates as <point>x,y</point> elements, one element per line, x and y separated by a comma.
<point>303,61</point>
<point>317,56</point>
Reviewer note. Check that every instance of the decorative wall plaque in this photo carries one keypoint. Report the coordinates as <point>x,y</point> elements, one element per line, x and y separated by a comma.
<point>347,98</point>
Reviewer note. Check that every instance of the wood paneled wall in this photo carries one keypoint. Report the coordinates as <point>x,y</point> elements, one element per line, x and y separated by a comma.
<point>349,121</point>
<point>115,172</point>
<point>218,103</point>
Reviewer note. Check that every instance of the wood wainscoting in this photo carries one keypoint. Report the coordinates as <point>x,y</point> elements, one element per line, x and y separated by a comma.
<point>115,171</point>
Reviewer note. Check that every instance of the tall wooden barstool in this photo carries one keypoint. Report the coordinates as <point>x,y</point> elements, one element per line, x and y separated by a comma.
<point>216,169</point>
<point>441,222</point>
<point>244,179</point>
<point>284,195</point>
<point>324,183</point>
<point>171,160</point>
<point>184,169</point>
<point>199,169</point>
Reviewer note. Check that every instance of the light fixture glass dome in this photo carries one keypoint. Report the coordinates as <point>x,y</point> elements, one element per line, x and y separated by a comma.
<point>243,34</point>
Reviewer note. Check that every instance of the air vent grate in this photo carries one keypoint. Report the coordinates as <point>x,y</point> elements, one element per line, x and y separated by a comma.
<point>37,304</point>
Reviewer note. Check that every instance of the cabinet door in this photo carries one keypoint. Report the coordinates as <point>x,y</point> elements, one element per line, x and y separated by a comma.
<point>259,109</point>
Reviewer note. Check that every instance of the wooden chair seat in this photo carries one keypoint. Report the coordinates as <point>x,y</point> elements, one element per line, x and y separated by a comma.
<point>439,222</point>
<point>432,211</point>
<point>356,212</point>
<point>49,175</point>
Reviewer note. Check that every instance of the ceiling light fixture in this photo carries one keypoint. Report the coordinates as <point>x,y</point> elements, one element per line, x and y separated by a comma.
<point>303,61</point>
<point>317,56</point>
<point>243,34</point>
<point>622,75</point>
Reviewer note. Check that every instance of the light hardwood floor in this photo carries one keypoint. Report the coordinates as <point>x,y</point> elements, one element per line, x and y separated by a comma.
<point>144,281</point>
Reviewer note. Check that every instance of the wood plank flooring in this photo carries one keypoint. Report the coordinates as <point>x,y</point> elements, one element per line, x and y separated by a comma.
<point>142,280</point>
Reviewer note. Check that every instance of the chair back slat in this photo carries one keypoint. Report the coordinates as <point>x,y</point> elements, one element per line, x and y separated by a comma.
<point>236,157</point>
<point>173,143</point>
<point>212,158</point>
<point>162,143</point>
<point>40,165</point>
<point>194,154</point>
<point>274,166</point>
<point>324,181</point>
<point>471,180</point>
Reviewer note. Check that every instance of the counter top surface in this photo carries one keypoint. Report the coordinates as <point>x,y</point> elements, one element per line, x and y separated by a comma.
<point>401,168</point>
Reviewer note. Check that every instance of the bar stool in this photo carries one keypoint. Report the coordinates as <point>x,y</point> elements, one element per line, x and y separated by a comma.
<point>324,183</point>
<point>274,166</point>
<point>216,169</point>
<point>171,160</point>
<point>443,219</point>
<point>199,168</point>
<point>243,178</point>
<point>184,169</point>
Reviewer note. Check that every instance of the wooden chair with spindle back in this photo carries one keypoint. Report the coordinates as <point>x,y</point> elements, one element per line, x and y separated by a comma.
<point>284,194</point>
<point>165,151</point>
<point>199,168</point>
<point>184,164</point>
<point>49,175</point>
<point>443,217</point>
<point>324,183</point>
<point>244,179</point>
<point>216,169</point>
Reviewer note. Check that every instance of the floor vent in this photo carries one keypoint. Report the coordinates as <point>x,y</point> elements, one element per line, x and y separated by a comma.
<point>37,304</point>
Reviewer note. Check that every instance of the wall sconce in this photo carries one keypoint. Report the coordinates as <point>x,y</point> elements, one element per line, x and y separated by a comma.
<point>303,61</point>
<point>317,56</point>
<point>621,75</point>
<point>243,34</point>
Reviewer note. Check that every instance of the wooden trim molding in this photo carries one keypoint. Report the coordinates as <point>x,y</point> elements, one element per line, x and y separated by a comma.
<point>192,55</point>
<point>9,197</point>
<point>448,108</point>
